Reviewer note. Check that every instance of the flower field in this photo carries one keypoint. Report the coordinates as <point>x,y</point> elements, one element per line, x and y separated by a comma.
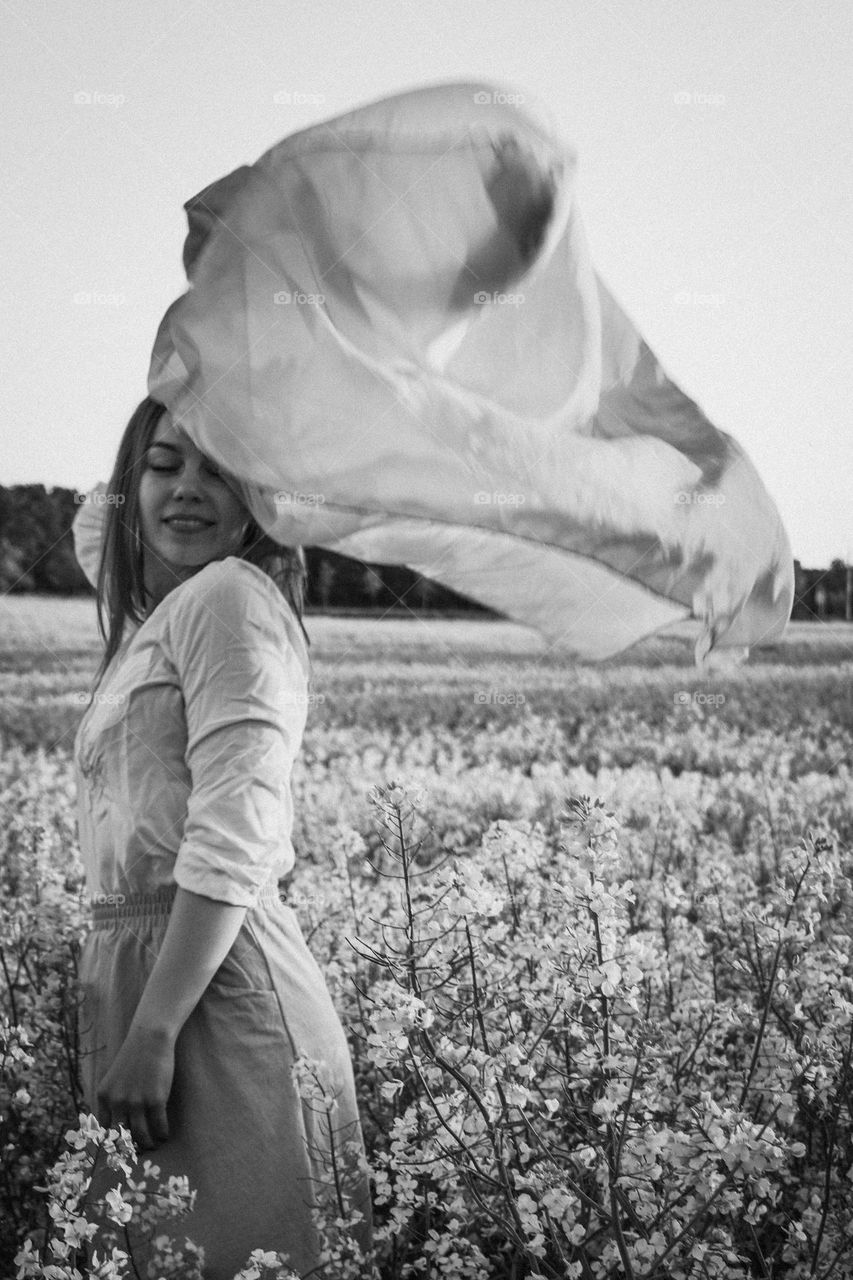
<point>589,928</point>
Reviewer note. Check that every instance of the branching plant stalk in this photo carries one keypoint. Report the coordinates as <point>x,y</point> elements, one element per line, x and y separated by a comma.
<point>10,987</point>
<point>612,1147</point>
<point>431,1047</point>
<point>830,1150</point>
<point>478,1013</point>
<point>765,1012</point>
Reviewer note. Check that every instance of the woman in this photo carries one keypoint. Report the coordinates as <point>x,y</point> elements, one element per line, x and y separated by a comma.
<point>199,992</point>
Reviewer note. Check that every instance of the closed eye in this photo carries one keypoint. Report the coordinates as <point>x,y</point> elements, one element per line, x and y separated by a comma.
<point>166,459</point>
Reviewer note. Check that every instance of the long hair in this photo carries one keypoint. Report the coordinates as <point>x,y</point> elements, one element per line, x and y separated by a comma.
<point>121,585</point>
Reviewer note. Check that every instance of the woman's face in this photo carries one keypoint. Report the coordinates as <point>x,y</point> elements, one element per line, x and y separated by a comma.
<point>188,514</point>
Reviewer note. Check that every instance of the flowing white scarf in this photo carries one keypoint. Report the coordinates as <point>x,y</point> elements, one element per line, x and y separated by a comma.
<point>394,338</point>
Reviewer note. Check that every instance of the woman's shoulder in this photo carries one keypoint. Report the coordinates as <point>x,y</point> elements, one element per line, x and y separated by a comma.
<point>235,570</point>
<point>236,594</point>
<point>231,583</point>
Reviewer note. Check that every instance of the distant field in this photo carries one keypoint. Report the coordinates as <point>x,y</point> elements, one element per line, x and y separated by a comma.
<point>37,632</point>
<point>397,671</point>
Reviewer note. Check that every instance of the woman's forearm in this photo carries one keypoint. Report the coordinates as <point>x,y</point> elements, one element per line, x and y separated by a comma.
<point>199,936</point>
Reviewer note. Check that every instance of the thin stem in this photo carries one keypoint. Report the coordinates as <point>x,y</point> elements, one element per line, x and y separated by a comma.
<point>773,972</point>
<point>827,1183</point>
<point>612,1149</point>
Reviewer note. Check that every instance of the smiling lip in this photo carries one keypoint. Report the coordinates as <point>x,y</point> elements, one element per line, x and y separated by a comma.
<point>187,524</point>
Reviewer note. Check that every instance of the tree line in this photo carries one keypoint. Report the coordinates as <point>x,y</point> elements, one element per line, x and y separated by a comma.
<point>37,555</point>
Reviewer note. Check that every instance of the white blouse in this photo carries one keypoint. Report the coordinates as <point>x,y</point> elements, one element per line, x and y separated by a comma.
<point>183,759</point>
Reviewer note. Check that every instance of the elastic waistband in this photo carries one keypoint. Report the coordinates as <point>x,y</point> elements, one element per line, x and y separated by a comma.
<point>105,908</point>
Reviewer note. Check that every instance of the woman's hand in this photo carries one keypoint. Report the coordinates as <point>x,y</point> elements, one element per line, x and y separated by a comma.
<point>135,1090</point>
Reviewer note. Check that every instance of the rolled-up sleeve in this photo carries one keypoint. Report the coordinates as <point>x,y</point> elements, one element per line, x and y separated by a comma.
<point>232,640</point>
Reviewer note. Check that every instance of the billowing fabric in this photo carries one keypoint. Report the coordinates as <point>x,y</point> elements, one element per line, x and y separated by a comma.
<point>183,764</point>
<point>395,338</point>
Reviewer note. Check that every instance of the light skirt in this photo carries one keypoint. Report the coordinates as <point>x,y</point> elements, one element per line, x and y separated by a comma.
<point>258,1154</point>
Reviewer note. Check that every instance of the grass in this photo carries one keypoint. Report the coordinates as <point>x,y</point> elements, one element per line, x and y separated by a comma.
<point>455,673</point>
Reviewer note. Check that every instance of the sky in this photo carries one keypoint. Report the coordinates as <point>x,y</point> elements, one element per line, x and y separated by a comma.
<point>714,145</point>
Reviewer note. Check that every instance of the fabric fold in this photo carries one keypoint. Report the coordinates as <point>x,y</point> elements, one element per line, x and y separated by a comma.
<point>395,339</point>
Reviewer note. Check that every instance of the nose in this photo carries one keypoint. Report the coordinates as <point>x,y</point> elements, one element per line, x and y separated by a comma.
<point>188,483</point>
